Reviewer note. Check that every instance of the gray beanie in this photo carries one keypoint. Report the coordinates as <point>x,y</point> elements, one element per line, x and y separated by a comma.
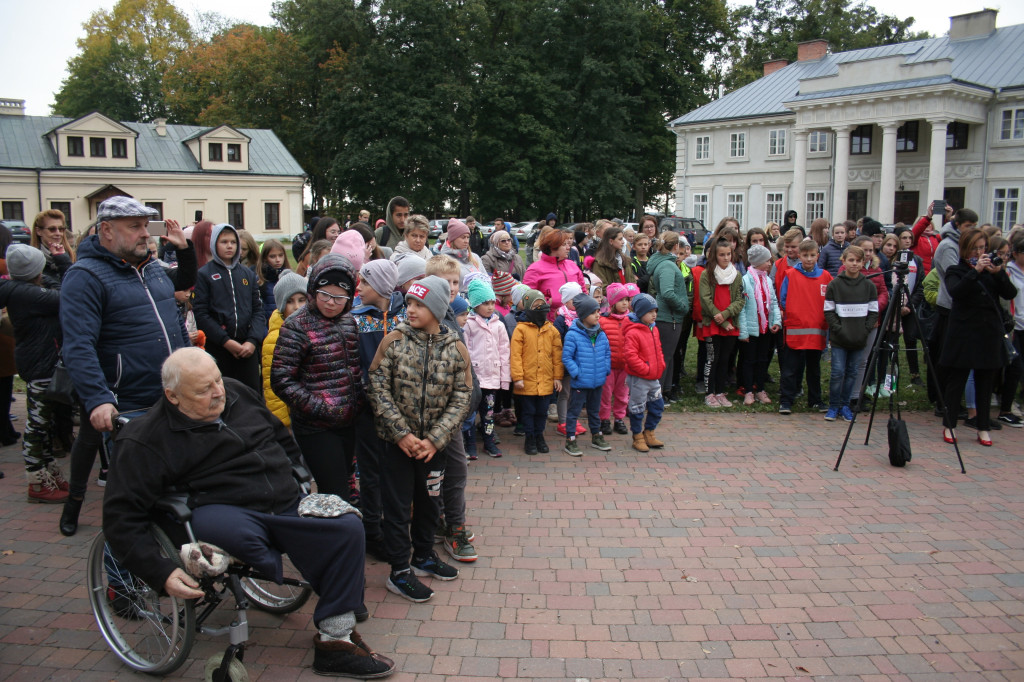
<point>432,292</point>
<point>381,275</point>
<point>410,266</point>
<point>585,305</point>
<point>24,262</point>
<point>287,286</point>
<point>758,255</point>
<point>643,304</point>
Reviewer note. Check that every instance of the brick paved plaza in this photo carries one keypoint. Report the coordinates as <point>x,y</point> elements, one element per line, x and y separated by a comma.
<point>734,553</point>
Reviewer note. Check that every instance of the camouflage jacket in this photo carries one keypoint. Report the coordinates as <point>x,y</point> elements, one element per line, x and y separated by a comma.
<point>420,384</point>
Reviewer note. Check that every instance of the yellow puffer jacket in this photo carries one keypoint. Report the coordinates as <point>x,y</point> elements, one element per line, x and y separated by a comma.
<point>536,358</point>
<point>274,404</point>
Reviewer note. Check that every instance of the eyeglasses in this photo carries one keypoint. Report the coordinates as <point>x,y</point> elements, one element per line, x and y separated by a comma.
<point>327,297</point>
<point>53,229</point>
<point>504,241</point>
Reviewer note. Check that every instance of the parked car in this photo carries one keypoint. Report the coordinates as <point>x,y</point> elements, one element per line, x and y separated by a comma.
<point>691,228</point>
<point>437,227</point>
<point>21,232</point>
<point>525,229</point>
<point>633,226</point>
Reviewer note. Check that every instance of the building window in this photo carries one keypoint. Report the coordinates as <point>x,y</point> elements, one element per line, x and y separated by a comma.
<point>773,203</point>
<point>702,148</point>
<point>272,216</point>
<point>734,205</point>
<point>1013,125</point>
<point>817,141</point>
<point>1005,207</point>
<point>76,147</point>
<point>906,137</point>
<point>857,204</point>
<point>235,153</point>
<point>236,215</point>
<point>158,206</point>
<point>12,210</point>
<point>98,146</point>
<point>119,148</point>
<point>956,135</point>
<point>776,142</point>
<point>815,206</point>
<point>700,207</point>
<point>860,140</point>
<point>216,151</point>
<point>737,145</point>
<point>65,208</point>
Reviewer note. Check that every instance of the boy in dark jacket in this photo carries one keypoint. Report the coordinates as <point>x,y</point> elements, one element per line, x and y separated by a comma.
<point>587,358</point>
<point>421,386</point>
<point>227,307</point>
<point>851,310</point>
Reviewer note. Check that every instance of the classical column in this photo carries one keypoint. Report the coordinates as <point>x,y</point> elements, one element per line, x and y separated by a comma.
<point>840,188</point>
<point>887,187</point>
<point>798,194</point>
<point>937,165</point>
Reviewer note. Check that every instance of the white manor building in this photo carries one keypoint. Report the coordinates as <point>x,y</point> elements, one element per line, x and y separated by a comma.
<point>879,132</point>
<point>241,176</point>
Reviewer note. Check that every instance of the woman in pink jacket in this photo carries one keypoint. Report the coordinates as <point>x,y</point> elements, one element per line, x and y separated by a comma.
<point>553,269</point>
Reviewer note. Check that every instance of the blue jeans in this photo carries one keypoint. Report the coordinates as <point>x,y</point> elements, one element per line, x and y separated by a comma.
<point>578,398</point>
<point>845,363</point>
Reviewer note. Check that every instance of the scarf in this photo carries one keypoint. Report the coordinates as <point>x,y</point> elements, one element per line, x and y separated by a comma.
<point>461,255</point>
<point>725,275</point>
<point>569,315</point>
<point>539,315</point>
<point>761,296</point>
<point>502,255</point>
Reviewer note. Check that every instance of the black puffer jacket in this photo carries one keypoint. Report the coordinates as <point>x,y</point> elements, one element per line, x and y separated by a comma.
<point>226,302</point>
<point>316,370</point>
<point>34,312</point>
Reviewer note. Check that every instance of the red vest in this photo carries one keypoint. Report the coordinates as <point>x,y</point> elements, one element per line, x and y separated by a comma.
<point>804,320</point>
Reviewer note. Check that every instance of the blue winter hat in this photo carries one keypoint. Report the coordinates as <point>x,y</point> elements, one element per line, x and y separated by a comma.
<point>479,292</point>
<point>459,305</point>
<point>643,304</point>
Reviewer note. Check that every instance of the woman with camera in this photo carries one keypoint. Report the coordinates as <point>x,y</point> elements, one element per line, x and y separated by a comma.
<point>974,333</point>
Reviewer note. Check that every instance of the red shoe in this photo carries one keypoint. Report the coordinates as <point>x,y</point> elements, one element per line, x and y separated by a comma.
<point>561,428</point>
<point>949,439</point>
<point>986,443</point>
<point>580,430</point>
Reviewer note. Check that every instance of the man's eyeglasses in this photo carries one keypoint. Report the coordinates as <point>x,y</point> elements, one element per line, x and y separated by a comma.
<point>327,297</point>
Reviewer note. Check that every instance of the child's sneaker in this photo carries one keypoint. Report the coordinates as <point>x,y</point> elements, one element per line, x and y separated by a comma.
<point>405,584</point>
<point>846,413</point>
<point>785,409</point>
<point>723,401</point>
<point>620,427</point>
<point>820,407</point>
<point>762,397</point>
<point>748,398</point>
<point>600,443</point>
<point>520,430</point>
<point>561,428</point>
<point>101,480</point>
<point>571,448</point>
<point>434,567</point>
<point>457,544</point>
<point>711,400</point>
<point>606,427</point>
<point>831,415</point>
<point>491,446</point>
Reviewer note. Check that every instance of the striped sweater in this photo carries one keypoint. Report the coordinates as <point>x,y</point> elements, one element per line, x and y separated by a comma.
<point>851,310</point>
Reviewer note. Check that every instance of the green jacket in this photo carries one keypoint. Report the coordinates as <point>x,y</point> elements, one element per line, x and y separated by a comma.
<point>668,286</point>
<point>931,287</point>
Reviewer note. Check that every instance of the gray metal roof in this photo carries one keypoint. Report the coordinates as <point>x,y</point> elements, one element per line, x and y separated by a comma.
<point>994,61</point>
<point>23,145</point>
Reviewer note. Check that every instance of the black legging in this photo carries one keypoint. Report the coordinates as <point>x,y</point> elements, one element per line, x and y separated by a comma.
<point>721,347</point>
<point>956,380</point>
<point>83,455</point>
<point>328,454</point>
<point>7,432</point>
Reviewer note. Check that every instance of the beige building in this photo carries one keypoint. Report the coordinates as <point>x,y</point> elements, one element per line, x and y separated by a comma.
<point>245,177</point>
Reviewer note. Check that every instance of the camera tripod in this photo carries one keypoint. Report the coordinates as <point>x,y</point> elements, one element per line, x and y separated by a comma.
<point>889,337</point>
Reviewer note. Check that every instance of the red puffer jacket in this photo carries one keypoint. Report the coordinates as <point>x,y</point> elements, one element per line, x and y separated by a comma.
<point>613,329</point>
<point>644,358</point>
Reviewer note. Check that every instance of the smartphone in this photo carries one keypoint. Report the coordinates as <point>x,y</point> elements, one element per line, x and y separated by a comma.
<point>157,228</point>
<point>939,207</point>
<point>199,216</point>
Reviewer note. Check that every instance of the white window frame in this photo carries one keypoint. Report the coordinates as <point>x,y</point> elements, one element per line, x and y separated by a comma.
<point>735,203</point>
<point>738,145</point>
<point>777,142</point>
<point>818,142</point>
<point>774,202</point>
<point>701,202</point>
<point>815,205</point>
<point>1005,207</point>
<point>1011,124</point>
<point>702,143</point>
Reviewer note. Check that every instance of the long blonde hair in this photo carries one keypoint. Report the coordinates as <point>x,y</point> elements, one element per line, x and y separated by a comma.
<point>37,224</point>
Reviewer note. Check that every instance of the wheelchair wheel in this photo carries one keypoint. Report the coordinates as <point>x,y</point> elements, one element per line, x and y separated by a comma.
<point>151,632</point>
<point>266,595</point>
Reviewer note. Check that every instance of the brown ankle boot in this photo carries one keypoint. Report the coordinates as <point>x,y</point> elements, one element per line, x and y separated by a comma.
<point>640,443</point>
<point>652,441</point>
<point>43,487</point>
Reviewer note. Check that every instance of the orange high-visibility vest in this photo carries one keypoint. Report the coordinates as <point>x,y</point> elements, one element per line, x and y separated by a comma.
<point>804,320</point>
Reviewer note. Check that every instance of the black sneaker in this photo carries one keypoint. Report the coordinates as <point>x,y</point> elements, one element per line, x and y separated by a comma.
<point>101,480</point>
<point>620,427</point>
<point>407,585</point>
<point>349,659</point>
<point>785,409</point>
<point>530,447</point>
<point>519,430</point>
<point>993,424</point>
<point>1010,419</point>
<point>434,567</point>
<point>606,427</point>
<point>820,407</point>
<point>542,445</point>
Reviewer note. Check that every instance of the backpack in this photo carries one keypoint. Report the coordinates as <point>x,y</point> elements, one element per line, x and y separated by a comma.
<point>899,442</point>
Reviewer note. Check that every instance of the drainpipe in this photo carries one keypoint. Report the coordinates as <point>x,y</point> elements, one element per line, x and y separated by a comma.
<point>39,188</point>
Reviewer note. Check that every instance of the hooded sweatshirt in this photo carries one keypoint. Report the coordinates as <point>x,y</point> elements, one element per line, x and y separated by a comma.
<point>389,234</point>
<point>947,254</point>
<point>851,310</point>
<point>226,301</point>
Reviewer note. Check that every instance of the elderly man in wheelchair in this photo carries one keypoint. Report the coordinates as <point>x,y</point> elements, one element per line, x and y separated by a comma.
<point>212,441</point>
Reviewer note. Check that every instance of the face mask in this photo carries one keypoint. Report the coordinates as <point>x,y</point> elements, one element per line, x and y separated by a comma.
<point>538,316</point>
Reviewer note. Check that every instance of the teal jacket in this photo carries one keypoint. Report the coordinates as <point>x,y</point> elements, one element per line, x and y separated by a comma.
<point>668,287</point>
<point>748,316</point>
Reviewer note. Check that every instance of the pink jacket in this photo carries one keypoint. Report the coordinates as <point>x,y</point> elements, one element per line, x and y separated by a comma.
<point>547,274</point>
<point>489,351</point>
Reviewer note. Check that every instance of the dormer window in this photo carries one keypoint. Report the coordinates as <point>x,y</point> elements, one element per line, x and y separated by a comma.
<point>235,153</point>
<point>216,151</point>
<point>98,147</point>
<point>119,148</point>
<point>76,146</point>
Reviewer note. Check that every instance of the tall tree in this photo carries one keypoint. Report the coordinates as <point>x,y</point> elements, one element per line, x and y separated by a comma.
<point>121,61</point>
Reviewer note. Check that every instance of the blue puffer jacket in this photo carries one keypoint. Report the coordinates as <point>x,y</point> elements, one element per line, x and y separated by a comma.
<point>226,302</point>
<point>831,257</point>
<point>120,323</point>
<point>586,356</point>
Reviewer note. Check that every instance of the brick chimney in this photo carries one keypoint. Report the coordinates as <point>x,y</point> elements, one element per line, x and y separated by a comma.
<point>774,65</point>
<point>810,50</point>
<point>972,25</point>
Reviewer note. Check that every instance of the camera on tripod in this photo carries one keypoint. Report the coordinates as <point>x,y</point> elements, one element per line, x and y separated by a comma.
<point>901,262</point>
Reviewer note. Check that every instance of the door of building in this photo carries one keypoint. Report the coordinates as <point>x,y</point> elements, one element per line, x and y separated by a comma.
<point>954,196</point>
<point>856,204</point>
<point>907,208</point>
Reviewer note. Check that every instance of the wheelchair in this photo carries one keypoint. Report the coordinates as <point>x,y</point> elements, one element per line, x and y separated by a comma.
<point>153,632</point>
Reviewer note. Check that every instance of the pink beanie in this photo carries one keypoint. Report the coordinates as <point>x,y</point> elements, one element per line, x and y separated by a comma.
<point>615,293</point>
<point>456,228</point>
<point>631,290</point>
<point>350,244</point>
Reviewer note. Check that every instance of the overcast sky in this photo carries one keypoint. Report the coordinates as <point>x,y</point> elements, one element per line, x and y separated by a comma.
<point>40,35</point>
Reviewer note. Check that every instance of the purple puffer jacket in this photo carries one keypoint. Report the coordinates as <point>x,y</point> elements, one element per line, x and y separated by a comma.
<point>547,274</point>
<point>316,369</point>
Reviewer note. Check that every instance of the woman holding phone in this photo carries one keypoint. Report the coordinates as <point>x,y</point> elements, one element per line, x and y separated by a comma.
<point>50,235</point>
